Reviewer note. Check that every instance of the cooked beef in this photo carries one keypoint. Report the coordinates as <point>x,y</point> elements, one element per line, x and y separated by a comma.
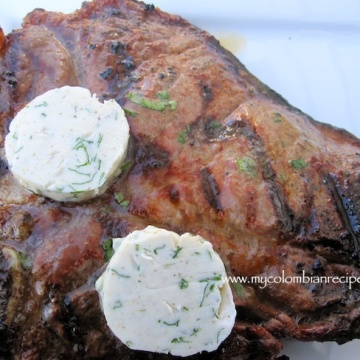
<point>275,191</point>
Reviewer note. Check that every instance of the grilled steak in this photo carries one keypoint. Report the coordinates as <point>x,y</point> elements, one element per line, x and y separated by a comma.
<point>277,193</point>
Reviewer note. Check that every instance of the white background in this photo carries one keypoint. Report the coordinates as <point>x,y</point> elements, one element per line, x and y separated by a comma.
<point>306,50</point>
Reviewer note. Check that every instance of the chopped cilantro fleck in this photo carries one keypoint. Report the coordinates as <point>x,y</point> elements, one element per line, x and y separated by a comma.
<point>126,166</point>
<point>119,197</point>
<point>124,204</point>
<point>159,104</point>
<point>108,249</point>
<point>298,164</point>
<point>247,165</point>
<point>182,137</point>
<point>129,112</point>
<point>163,95</point>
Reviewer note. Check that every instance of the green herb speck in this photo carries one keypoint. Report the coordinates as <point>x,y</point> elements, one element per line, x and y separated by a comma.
<point>182,137</point>
<point>79,172</point>
<point>120,275</point>
<point>183,134</point>
<point>129,112</point>
<point>108,249</point>
<point>215,314</point>
<point>124,204</point>
<point>85,182</point>
<point>298,164</point>
<point>195,332</point>
<point>172,104</point>
<point>179,340</point>
<point>163,95</point>
<point>126,166</point>
<point>183,284</point>
<point>176,252</point>
<point>118,304</point>
<point>100,139</point>
<point>176,323</point>
<point>205,294</point>
<point>218,335</point>
<point>18,150</point>
<point>214,278</point>
<point>159,104</point>
<point>158,248</point>
<point>24,260</point>
<point>247,165</point>
<point>42,104</point>
<point>121,200</point>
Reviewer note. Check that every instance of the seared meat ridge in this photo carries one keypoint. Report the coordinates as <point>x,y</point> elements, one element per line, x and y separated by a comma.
<point>224,157</point>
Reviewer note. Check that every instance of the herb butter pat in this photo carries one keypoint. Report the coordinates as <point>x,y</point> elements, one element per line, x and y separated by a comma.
<point>67,145</point>
<point>166,293</point>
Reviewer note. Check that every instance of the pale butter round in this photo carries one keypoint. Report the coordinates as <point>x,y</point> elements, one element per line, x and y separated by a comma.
<point>166,293</point>
<point>66,145</point>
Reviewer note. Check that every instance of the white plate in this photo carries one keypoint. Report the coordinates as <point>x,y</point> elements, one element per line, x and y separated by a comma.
<point>306,50</point>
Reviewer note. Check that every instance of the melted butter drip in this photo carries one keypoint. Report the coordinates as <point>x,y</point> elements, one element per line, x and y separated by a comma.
<point>232,41</point>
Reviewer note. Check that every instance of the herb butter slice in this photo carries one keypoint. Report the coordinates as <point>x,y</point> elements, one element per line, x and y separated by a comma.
<point>166,293</point>
<point>67,145</point>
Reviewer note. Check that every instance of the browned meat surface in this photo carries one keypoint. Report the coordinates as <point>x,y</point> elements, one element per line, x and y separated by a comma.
<point>274,191</point>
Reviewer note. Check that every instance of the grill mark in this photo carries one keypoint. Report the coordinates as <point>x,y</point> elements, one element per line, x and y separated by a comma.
<point>149,157</point>
<point>206,91</point>
<point>234,127</point>
<point>345,208</point>
<point>5,294</point>
<point>4,168</point>
<point>283,211</point>
<point>211,189</point>
<point>213,129</point>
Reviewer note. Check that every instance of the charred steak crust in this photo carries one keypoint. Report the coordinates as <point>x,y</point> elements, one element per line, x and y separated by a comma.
<point>271,188</point>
